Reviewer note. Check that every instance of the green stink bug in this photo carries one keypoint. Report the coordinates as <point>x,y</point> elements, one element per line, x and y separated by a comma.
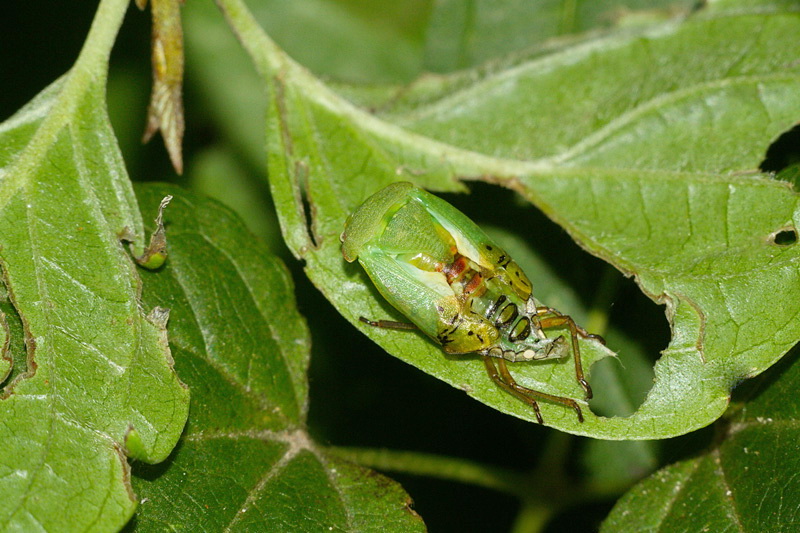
<point>439,269</point>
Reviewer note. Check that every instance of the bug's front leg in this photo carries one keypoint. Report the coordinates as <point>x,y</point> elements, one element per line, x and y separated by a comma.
<point>543,311</point>
<point>502,377</point>
<point>556,320</point>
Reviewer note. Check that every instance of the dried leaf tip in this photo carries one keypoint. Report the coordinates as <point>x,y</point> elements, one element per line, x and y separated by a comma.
<point>165,112</point>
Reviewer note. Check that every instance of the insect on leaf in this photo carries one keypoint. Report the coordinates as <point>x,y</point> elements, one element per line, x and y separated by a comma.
<point>637,163</point>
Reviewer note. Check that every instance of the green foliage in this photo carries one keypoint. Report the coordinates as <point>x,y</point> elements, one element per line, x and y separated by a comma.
<point>743,481</point>
<point>98,382</point>
<point>637,126</point>
<point>694,234</point>
<point>245,460</point>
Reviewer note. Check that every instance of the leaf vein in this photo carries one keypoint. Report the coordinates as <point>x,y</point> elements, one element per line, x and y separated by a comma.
<point>727,491</point>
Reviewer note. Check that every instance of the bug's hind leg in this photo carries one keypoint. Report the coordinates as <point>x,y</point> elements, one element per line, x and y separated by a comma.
<point>503,378</point>
<point>387,324</point>
<point>555,320</point>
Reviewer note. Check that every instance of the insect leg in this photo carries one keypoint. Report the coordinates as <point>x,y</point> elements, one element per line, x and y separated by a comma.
<point>491,369</point>
<point>574,331</point>
<point>503,378</point>
<point>388,324</point>
<point>582,332</point>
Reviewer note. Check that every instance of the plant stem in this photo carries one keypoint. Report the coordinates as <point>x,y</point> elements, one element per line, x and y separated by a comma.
<point>96,50</point>
<point>267,57</point>
<point>91,65</point>
<point>437,466</point>
<point>532,517</point>
<point>542,493</point>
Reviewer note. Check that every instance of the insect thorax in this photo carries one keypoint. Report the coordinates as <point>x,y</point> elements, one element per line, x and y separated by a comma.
<point>497,316</point>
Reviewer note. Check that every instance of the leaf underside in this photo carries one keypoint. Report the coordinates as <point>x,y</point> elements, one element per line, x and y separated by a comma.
<point>656,180</point>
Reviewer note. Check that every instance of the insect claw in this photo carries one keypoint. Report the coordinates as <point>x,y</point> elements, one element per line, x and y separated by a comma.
<point>580,413</point>
<point>587,388</point>
<point>596,337</point>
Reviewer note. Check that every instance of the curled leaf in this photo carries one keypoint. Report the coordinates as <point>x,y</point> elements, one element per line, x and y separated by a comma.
<point>156,252</point>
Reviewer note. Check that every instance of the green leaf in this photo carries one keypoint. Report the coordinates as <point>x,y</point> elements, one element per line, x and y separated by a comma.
<point>635,163</point>
<point>723,80</point>
<point>246,461</point>
<point>746,481</point>
<point>98,381</point>
<point>466,34</point>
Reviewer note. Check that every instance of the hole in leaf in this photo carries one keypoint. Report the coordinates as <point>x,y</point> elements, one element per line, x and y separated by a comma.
<point>783,157</point>
<point>574,279</point>
<point>784,237</point>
